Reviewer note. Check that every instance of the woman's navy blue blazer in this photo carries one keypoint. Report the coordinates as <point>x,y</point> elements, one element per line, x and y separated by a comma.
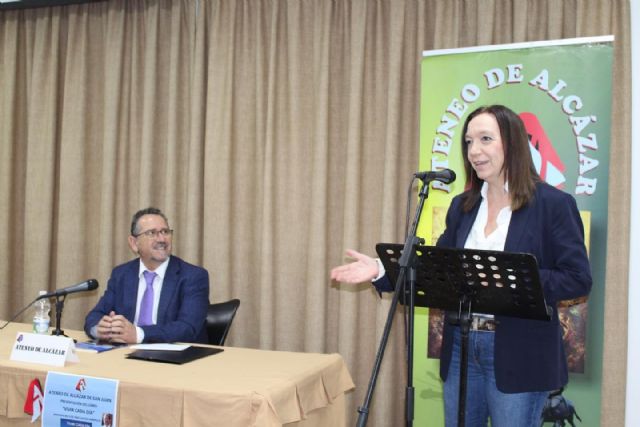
<point>529,354</point>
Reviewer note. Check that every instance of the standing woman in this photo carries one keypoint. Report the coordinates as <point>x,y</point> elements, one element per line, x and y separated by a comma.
<point>513,363</point>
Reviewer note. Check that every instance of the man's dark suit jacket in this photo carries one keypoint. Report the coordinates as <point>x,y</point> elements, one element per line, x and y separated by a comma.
<point>182,309</point>
<point>529,354</point>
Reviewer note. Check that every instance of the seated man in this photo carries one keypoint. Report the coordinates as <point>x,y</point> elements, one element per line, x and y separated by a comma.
<point>155,298</point>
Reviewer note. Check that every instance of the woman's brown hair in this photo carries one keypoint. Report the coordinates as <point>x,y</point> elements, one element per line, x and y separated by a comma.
<point>518,167</point>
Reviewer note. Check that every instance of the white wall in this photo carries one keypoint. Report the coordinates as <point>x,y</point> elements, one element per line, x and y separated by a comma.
<point>632,415</point>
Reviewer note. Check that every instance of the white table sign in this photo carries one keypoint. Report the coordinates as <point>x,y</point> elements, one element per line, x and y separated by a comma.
<point>44,349</point>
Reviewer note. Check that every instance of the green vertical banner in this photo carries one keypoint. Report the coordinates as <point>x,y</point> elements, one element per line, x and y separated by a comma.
<point>562,91</point>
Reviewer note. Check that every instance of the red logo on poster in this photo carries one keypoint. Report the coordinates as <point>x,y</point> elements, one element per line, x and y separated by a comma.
<point>544,156</point>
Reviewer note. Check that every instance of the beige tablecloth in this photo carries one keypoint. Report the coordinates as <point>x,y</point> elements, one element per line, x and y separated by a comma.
<point>238,387</point>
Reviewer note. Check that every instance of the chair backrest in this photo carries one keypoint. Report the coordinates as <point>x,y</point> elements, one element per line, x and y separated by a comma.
<point>219,318</point>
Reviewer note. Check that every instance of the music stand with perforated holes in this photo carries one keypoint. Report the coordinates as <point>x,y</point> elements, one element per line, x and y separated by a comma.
<point>465,281</point>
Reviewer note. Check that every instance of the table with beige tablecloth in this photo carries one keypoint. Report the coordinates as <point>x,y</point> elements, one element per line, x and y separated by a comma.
<point>237,387</point>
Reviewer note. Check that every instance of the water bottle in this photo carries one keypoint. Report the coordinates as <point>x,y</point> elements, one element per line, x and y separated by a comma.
<point>41,317</point>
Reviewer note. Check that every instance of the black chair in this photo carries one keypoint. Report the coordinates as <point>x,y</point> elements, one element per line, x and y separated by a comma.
<point>219,318</point>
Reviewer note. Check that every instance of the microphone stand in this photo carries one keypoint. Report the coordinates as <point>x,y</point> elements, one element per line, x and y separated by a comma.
<point>59,306</point>
<point>406,263</point>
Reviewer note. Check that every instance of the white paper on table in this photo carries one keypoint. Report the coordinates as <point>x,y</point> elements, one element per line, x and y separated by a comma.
<point>160,346</point>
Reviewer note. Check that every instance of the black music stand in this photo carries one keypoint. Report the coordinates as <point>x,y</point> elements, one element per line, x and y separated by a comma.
<point>462,281</point>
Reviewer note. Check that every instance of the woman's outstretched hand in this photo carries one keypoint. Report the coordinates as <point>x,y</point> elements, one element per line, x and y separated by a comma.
<point>363,269</point>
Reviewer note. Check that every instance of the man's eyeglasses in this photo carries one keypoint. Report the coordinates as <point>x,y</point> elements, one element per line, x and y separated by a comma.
<point>152,234</point>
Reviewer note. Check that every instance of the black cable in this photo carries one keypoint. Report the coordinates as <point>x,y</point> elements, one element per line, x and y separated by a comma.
<point>406,234</point>
<point>19,313</point>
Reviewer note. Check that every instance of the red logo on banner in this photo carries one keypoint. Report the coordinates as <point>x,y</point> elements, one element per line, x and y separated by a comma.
<point>545,158</point>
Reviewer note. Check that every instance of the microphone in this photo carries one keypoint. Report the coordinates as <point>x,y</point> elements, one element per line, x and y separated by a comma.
<point>446,176</point>
<point>87,285</point>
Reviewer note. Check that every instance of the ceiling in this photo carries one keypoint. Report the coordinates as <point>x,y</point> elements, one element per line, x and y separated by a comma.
<point>29,4</point>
